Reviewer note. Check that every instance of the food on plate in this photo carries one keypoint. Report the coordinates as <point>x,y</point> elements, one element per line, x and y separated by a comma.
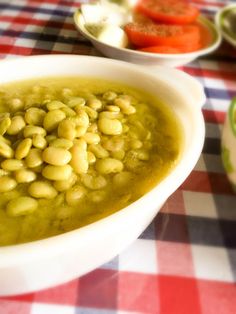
<point>168,11</point>
<point>170,49</point>
<point>151,34</point>
<point>154,26</point>
<point>110,34</point>
<point>74,150</point>
<point>104,20</point>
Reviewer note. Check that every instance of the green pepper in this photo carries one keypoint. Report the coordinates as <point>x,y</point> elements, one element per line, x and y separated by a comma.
<point>232,115</point>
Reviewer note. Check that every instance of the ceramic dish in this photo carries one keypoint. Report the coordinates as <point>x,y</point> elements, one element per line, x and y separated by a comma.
<point>146,58</point>
<point>225,20</point>
<point>41,264</point>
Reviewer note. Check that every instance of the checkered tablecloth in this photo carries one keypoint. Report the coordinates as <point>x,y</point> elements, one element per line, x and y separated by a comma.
<point>185,261</point>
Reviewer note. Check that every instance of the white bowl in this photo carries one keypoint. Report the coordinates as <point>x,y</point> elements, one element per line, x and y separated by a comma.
<point>147,58</point>
<point>218,18</point>
<point>41,264</point>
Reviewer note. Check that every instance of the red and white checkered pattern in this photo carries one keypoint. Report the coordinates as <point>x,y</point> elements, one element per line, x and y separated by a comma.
<point>185,261</point>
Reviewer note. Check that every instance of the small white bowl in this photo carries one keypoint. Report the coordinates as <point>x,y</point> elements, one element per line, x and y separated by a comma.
<point>218,22</point>
<point>41,264</point>
<point>147,58</point>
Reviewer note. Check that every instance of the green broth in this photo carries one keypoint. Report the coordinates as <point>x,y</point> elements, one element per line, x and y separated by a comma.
<point>153,125</point>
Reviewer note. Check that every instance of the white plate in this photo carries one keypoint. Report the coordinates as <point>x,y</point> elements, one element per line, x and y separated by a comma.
<point>147,58</point>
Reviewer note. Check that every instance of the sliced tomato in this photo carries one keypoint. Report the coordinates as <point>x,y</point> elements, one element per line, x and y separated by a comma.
<point>168,11</point>
<point>206,36</point>
<point>151,34</point>
<point>171,50</point>
<point>160,49</point>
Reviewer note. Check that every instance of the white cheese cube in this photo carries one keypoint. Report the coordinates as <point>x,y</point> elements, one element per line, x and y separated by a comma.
<point>113,35</point>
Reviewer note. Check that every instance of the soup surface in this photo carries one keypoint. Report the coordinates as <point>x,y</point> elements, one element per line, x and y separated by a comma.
<point>74,150</point>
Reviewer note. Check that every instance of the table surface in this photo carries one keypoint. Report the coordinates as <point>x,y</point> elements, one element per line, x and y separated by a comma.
<point>190,247</point>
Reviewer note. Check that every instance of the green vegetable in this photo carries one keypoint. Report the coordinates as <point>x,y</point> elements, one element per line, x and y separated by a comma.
<point>225,155</point>
<point>232,115</point>
<point>228,22</point>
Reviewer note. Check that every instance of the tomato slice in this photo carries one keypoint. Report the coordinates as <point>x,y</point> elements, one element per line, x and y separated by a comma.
<point>160,49</point>
<point>151,34</point>
<point>206,36</point>
<point>168,11</point>
<point>170,49</point>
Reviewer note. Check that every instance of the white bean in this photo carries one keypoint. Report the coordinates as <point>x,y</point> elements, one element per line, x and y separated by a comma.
<point>109,165</point>
<point>109,95</point>
<point>91,112</point>
<point>55,104</point>
<point>16,104</point>
<point>42,189</point>
<point>98,151</point>
<point>68,111</point>
<point>76,101</point>
<point>82,118</point>
<point>39,141</point>
<point>93,183</point>
<point>75,194</point>
<point>94,103</point>
<point>56,156</point>
<point>21,206</point>
<point>64,185</point>
<point>17,124</point>
<point>91,158</point>
<point>113,108</point>
<point>135,144</point>
<point>122,179</point>
<point>66,129</point>
<point>52,119</point>
<point>4,125</point>
<point>12,164</point>
<point>25,176</point>
<point>7,184</point>
<point>34,158</point>
<point>61,143</point>
<point>110,127</point>
<point>23,148</point>
<point>35,116</point>
<point>31,130</point>
<point>110,115</point>
<point>114,144</point>
<point>80,131</point>
<point>57,172</point>
<point>91,138</point>
<point>125,106</point>
<point>79,160</point>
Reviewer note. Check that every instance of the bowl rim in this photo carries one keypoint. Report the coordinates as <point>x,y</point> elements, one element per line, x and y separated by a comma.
<point>77,19</point>
<point>217,18</point>
<point>19,253</point>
